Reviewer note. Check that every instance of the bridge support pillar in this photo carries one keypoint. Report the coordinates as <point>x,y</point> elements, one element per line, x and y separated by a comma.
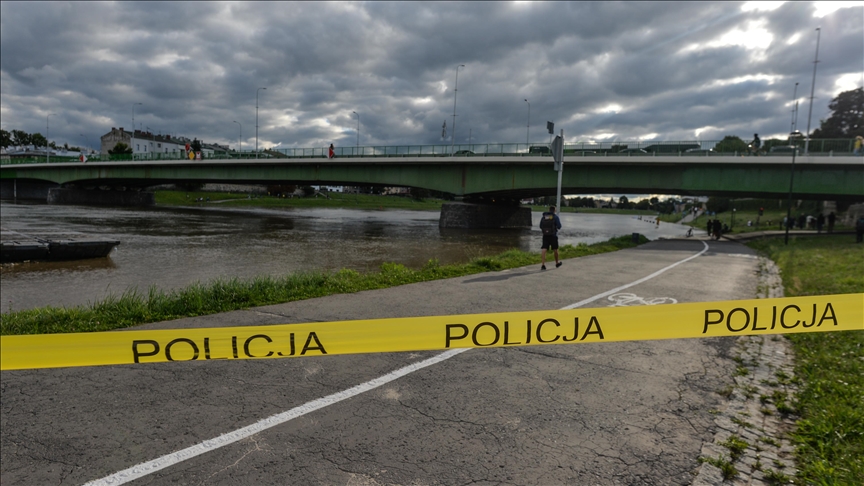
<point>64,195</point>
<point>478,216</point>
<point>15,189</point>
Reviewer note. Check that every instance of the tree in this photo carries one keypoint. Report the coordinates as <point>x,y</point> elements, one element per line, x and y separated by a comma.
<point>847,119</point>
<point>5,138</point>
<point>196,147</point>
<point>718,204</point>
<point>20,137</point>
<point>38,140</point>
<point>120,148</point>
<point>731,143</point>
<point>623,202</point>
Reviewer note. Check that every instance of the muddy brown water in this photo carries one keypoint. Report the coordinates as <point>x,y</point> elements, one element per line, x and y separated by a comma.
<point>172,247</point>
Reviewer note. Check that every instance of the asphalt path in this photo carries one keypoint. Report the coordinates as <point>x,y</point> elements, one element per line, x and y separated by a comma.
<point>607,413</point>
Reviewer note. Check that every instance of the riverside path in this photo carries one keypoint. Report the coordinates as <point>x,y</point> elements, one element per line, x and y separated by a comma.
<point>609,413</point>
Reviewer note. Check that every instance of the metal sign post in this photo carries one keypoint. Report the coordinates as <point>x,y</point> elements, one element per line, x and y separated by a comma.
<point>558,157</point>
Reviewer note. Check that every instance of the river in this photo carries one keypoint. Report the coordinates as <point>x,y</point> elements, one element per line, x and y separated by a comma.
<point>171,247</point>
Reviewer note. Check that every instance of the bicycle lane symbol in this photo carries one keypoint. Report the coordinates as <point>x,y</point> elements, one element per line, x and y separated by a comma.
<point>627,299</point>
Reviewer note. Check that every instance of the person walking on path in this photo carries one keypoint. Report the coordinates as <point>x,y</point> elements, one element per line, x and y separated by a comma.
<point>859,140</point>
<point>549,225</point>
<point>831,218</point>
<point>332,153</point>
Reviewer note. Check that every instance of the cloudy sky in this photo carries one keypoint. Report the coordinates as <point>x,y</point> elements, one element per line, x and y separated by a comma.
<point>601,71</point>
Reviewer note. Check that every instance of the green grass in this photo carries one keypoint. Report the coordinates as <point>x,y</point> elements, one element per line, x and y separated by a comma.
<point>134,307</point>
<point>336,200</point>
<point>726,467</point>
<point>829,437</point>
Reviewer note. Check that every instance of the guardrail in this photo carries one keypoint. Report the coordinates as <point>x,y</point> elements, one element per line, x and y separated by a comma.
<point>835,147</point>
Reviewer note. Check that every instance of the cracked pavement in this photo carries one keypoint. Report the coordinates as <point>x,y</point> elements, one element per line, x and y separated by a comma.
<point>608,413</point>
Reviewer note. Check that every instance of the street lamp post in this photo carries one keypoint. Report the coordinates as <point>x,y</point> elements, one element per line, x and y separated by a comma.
<point>791,179</point>
<point>812,87</point>
<point>358,130</point>
<point>256,121</point>
<point>795,108</point>
<point>528,129</point>
<point>47,138</point>
<point>132,137</point>
<point>86,142</point>
<point>240,140</point>
<point>455,91</point>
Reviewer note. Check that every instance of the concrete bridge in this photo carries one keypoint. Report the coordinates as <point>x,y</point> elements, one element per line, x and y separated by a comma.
<point>487,178</point>
<point>816,177</point>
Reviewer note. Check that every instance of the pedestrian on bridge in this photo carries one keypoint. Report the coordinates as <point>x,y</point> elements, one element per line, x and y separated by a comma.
<point>755,145</point>
<point>332,153</point>
<point>549,225</point>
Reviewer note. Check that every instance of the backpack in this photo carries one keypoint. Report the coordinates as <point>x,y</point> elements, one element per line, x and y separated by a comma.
<point>547,224</point>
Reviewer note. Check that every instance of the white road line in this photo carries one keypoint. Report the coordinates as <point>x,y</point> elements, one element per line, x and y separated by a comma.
<point>168,460</point>
<point>637,282</point>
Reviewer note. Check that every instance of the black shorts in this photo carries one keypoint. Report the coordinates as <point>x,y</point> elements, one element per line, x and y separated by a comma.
<point>550,242</point>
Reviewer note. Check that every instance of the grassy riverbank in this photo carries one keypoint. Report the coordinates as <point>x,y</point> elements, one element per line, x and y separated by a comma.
<point>335,200</point>
<point>133,307</point>
<point>829,366</point>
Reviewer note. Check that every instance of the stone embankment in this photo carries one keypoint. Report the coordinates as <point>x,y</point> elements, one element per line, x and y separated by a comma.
<point>751,447</point>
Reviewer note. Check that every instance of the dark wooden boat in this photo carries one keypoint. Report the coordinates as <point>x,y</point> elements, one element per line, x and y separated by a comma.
<point>22,251</point>
<point>63,250</point>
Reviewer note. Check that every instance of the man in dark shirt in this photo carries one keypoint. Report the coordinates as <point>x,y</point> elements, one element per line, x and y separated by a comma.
<point>549,224</point>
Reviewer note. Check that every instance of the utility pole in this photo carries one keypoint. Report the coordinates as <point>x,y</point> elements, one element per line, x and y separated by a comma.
<point>558,157</point>
<point>812,88</point>
<point>256,121</point>
<point>47,136</point>
<point>455,91</point>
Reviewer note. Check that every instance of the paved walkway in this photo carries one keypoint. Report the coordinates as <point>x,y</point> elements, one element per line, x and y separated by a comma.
<point>605,413</point>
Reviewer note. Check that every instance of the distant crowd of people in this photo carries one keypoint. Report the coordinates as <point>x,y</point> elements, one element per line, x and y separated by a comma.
<point>716,229</point>
<point>804,221</point>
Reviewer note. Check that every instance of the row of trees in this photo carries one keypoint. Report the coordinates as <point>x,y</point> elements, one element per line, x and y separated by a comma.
<point>651,204</point>
<point>20,137</point>
<point>846,121</point>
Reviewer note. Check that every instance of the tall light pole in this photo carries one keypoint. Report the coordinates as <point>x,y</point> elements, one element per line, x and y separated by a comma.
<point>86,142</point>
<point>132,137</point>
<point>455,91</point>
<point>791,179</point>
<point>47,137</point>
<point>794,108</point>
<point>241,137</point>
<point>812,87</point>
<point>528,130</point>
<point>256,121</point>
<point>358,130</point>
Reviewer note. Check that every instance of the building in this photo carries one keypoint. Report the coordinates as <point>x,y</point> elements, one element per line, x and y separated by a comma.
<point>147,145</point>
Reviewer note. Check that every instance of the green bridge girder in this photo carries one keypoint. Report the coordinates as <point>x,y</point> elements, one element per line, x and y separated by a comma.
<point>815,177</point>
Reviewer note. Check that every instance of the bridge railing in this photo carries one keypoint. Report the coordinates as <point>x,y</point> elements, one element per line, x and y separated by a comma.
<point>838,147</point>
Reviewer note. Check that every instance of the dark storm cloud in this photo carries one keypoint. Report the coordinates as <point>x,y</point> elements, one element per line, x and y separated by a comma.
<point>625,69</point>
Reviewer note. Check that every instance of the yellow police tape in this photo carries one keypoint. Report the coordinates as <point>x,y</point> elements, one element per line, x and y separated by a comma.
<point>587,325</point>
